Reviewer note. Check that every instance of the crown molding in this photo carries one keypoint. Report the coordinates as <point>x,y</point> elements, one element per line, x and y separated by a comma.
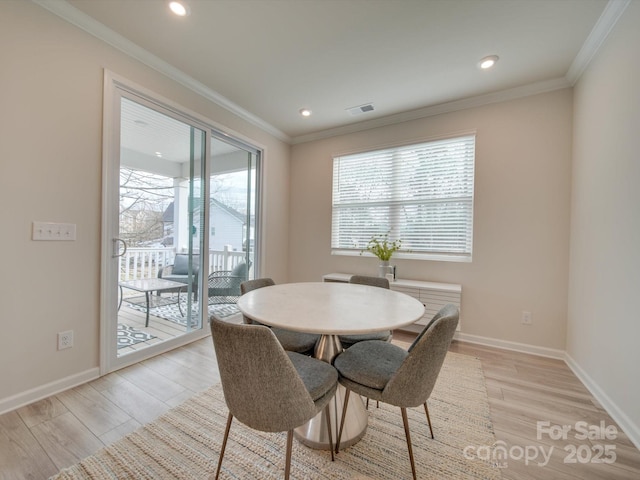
<point>608,19</point>
<point>83,21</point>
<point>610,16</point>
<point>465,103</point>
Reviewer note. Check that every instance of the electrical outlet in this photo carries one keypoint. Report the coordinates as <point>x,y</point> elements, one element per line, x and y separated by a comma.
<point>526,318</point>
<point>65,339</point>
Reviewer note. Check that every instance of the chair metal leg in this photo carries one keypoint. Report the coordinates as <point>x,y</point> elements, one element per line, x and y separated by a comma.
<point>405,421</point>
<point>287,465</point>
<point>224,443</point>
<point>344,411</point>
<point>327,414</point>
<point>428,418</point>
<point>367,407</point>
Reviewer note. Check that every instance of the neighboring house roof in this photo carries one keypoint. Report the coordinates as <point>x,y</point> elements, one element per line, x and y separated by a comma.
<point>228,209</point>
<point>167,216</point>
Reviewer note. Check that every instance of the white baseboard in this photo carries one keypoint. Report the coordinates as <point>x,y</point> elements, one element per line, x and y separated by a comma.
<point>624,422</point>
<point>43,391</point>
<point>508,345</point>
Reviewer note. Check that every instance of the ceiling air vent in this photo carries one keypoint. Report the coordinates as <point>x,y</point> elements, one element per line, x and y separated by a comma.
<point>360,109</point>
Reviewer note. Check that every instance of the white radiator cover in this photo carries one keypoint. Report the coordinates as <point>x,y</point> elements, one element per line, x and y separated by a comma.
<point>433,300</point>
<point>432,295</point>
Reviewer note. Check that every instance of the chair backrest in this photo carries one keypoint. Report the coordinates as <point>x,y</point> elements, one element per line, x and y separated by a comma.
<point>238,275</point>
<point>413,382</point>
<point>381,282</point>
<point>181,264</point>
<point>241,270</point>
<point>261,386</point>
<point>249,285</point>
<point>447,310</point>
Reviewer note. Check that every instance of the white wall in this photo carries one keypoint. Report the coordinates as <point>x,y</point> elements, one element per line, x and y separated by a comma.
<point>50,162</point>
<point>51,84</point>
<point>521,217</point>
<point>603,320</point>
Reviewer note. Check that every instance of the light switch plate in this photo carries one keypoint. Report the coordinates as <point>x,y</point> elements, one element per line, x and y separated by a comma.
<point>50,231</point>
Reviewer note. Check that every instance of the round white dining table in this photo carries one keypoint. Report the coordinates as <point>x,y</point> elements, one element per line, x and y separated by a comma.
<point>331,309</point>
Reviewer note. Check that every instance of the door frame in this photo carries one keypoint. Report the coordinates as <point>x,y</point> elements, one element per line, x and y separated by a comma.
<point>115,87</point>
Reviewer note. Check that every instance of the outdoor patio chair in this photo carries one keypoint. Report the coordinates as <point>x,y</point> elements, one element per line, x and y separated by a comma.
<point>178,271</point>
<point>224,285</point>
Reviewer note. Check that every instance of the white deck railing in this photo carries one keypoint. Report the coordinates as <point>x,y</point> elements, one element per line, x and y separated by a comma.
<point>139,263</point>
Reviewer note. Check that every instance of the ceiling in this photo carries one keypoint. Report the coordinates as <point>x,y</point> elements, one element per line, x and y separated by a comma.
<point>267,59</point>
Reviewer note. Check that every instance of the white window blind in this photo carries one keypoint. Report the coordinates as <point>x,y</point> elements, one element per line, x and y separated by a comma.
<point>420,194</point>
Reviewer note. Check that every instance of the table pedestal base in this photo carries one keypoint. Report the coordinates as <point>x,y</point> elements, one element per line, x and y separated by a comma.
<point>314,433</point>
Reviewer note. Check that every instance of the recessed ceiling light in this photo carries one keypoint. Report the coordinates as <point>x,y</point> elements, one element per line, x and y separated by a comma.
<point>488,62</point>
<point>159,154</point>
<point>305,112</point>
<point>179,8</point>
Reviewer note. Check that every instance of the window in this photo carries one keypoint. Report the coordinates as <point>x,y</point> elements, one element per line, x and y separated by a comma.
<point>421,194</point>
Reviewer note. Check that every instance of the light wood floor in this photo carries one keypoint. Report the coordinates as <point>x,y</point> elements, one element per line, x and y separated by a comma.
<point>38,440</point>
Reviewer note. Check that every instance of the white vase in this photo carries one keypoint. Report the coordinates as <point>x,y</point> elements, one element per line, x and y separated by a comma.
<point>384,268</point>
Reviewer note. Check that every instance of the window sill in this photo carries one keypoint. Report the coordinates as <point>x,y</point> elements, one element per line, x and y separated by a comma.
<point>408,256</point>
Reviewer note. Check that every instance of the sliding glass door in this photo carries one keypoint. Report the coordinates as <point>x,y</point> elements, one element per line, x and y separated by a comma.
<point>179,227</point>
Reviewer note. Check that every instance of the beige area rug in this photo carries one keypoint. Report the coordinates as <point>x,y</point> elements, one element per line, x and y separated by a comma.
<point>185,442</point>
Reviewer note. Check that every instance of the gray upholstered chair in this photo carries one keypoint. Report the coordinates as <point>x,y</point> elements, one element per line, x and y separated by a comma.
<point>349,340</point>
<point>390,374</point>
<point>267,388</point>
<point>291,341</point>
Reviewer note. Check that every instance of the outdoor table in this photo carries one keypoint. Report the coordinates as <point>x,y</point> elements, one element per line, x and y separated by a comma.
<point>148,285</point>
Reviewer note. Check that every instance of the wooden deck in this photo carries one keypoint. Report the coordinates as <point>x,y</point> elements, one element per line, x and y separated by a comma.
<point>159,327</point>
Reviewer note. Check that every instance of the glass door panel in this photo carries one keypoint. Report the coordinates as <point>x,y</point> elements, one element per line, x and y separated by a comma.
<point>162,161</point>
<point>232,226</point>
